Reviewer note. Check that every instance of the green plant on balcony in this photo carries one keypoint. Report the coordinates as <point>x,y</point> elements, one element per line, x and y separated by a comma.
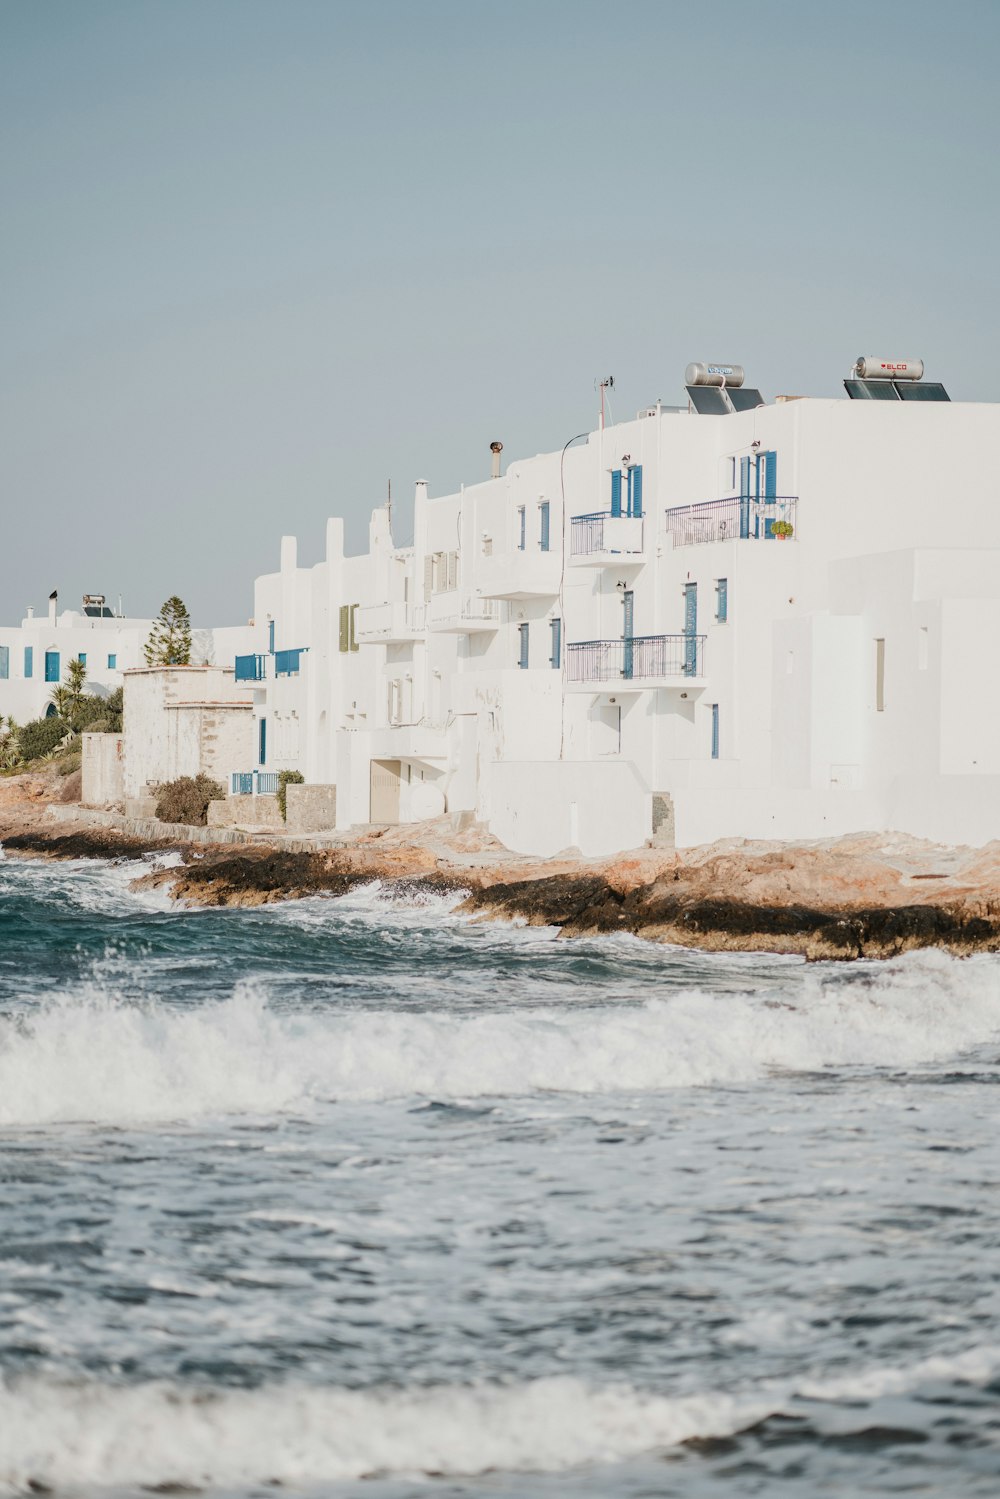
<point>782,529</point>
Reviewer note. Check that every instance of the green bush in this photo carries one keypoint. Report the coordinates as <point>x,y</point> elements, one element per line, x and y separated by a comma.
<point>186,799</point>
<point>69,762</point>
<point>40,737</point>
<point>99,715</point>
<point>287,778</point>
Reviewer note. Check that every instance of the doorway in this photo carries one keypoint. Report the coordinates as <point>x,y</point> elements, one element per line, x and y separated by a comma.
<point>385,778</point>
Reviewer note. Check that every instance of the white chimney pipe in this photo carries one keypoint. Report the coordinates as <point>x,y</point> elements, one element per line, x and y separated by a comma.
<point>53,602</point>
<point>496,448</point>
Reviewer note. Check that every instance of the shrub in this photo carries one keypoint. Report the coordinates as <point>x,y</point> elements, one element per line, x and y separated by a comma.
<point>186,799</point>
<point>40,737</point>
<point>287,778</point>
<point>99,715</point>
<point>68,762</point>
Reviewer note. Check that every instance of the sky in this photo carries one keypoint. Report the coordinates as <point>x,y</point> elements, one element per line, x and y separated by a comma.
<point>259,258</point>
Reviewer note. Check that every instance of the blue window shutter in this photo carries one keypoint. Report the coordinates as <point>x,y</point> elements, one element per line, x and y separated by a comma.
<point>4,662</point>
<point>262,757</point>
<point>82,658</point>
<point>51,666</point>
<point>522,631</point>
<point>616,491</point>
<point>270,636</point>
<point>722,600</point>
<point>744,498</point>
<point>112,662</point>
<point>556,657</point>
<point>29,661</point>
<point>635,490</point>
<point>522,529</point>
<point>715,731</point>
<point>770,476</point>
<point>544,525</point>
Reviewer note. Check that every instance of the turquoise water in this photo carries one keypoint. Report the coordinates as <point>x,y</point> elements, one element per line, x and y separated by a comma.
<point>355,1196</point>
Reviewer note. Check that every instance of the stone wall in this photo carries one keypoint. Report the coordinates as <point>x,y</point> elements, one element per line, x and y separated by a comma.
<point>311,809</point>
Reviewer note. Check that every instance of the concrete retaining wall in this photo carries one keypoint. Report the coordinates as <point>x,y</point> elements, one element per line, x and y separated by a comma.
<point>245,812</point>
<point>103,778</point>
<point>311,809</point>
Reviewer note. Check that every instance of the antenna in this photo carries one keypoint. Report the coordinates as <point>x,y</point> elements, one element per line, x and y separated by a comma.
<point>388,504</point>
<point>608,383</point>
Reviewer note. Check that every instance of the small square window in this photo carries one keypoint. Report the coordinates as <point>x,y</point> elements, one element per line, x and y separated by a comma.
<point>112,662</point>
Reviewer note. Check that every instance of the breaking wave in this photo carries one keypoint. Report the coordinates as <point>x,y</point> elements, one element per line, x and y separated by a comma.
<point>59,1433</point>
<point>89,1057</point>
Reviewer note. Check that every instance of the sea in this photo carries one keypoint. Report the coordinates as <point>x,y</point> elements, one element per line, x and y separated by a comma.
<point>360,1197</point>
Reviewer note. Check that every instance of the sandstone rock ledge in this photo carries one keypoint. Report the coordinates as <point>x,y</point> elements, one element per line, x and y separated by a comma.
<point>866,896</point>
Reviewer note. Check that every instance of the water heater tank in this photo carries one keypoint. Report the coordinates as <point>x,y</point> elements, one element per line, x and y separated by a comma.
<point>866,368</point>
<point>714,374</point>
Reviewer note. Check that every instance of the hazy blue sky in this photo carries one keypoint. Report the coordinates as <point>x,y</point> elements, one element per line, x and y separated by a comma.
<point>259,257</point>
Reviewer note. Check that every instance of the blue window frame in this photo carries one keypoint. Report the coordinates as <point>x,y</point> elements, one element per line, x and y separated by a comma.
<point>721,600</point>
<point>522,525</point>
<point>616,491</point>
<point>522,631</point>
<point>4,662</point>
<point>112,661</point>
<point>543,525</point>
<point>555,658</point>
<point>52,666</point>
<point>262,746</point>
<point>715,731</point>
<point>634,500</point>
<point>270,636</point>
<point>29,662</point>
<point>82,658</point>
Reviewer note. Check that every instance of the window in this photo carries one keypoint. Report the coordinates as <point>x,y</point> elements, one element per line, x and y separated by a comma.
<point>522,631</point>
<point>82,658</point>
<point>555,658</point>
<point>521,528</point>
<point>52,666</point>
<point>112,661</point>
<point>880,676</point>
<point>715,731</point>
<point>262,746</point>
<point>4,662</point>
<point>29,661</point>
<point>543,525</point>
<point>270,636</point>
<point>721,600</point>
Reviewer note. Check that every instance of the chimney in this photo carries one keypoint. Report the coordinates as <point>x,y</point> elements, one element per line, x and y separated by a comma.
<point>53,602</point>
<point>496,448</point>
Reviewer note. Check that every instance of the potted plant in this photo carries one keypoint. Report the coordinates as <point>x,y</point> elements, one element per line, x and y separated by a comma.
<point>782,530</point>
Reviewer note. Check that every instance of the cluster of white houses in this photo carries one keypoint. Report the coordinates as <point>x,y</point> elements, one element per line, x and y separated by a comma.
<point>729,618</point>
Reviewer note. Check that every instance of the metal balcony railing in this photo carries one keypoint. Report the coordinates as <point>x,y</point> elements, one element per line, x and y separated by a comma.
<point>288,663</point>
<point>605,532</point>
<point>250,668</point>
<point>643,657</point>
<point>738,518</point>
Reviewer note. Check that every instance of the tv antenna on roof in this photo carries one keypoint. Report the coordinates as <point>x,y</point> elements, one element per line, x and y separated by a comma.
<point>608,383</point>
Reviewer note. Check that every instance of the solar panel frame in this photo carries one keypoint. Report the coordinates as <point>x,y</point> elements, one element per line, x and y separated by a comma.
<point>917,390</point>
<point>871,390</point>
<point>708,400</point>
<point>745,397</point>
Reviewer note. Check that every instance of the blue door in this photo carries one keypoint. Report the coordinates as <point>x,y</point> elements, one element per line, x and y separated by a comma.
<point>51,666</point>
<point>628,632</point>
<point>690,629</point>
<point>767,490</point>
<point>262,757</point>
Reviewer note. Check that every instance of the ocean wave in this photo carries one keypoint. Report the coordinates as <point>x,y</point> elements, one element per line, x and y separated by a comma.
<point>88,1057</point>
<point>58,1434</point>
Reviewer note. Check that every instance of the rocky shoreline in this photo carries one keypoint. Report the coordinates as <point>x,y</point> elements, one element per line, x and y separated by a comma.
<point>863,897</point>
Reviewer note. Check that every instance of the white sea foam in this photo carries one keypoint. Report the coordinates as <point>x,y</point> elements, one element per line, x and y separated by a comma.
<point>90,1058</point>
<point>65,1434</point>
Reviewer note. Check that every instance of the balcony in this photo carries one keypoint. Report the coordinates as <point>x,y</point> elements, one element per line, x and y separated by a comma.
<point>644,661</point>
<point>253,782</point>
<point>388,624</point>
<point>605,540</point>
<point>288,663</point>
<point>518,575</point>
<point>739,518</point>
<point>462,614</point>
<point>250,668</point>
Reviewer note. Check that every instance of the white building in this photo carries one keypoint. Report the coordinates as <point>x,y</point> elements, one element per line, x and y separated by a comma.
<point>35,655</point>
<point>570,647</point>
